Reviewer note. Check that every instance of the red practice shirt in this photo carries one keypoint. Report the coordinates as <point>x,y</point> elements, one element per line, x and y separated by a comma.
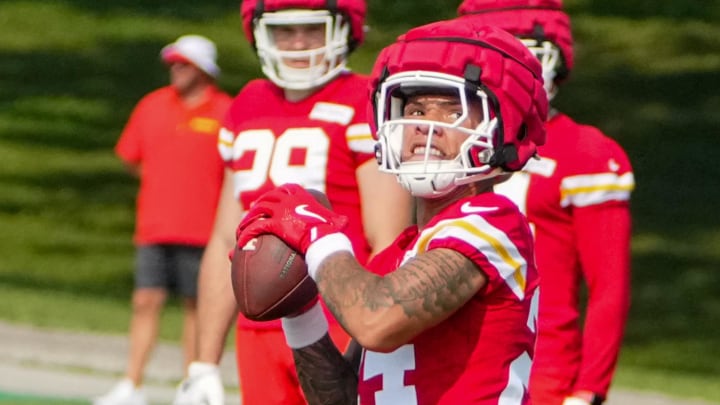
<point>181,171</point>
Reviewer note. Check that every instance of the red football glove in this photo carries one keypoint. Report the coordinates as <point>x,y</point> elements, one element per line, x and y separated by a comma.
<point>292,214</point>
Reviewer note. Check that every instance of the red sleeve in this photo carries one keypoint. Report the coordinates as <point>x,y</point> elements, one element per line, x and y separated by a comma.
<point>603,240</point>
<point>128,147</point>
<point>358,135</point>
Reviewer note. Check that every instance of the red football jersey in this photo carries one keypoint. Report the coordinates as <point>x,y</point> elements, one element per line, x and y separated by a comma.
<point>576,197</point>
<point>318,142</point>
<point>482,353</point>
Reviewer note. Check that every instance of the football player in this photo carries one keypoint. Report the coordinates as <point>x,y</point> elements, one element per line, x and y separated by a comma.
<point>576,197</point>
<point>445,315</point>
<point>305,123</point>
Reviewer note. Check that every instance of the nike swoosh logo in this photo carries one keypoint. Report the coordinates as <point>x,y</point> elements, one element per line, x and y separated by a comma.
<point>613,165</point>
<point>250,245</point>
<point>302,210</point>
<point>471,209</point>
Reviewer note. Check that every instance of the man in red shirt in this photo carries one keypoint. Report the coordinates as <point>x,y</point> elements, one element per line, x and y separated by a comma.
<point>445,315</point>
<point>170,143</point>
<point>306,123</point>
<point>577,198</point>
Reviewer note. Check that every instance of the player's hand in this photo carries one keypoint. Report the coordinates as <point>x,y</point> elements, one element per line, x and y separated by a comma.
<point>292,214</point>
<point>202,386</point>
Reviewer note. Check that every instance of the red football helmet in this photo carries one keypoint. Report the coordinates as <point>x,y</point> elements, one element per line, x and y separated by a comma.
<point>482,66</point>
<point>343,22</point>
<point>540,24</point>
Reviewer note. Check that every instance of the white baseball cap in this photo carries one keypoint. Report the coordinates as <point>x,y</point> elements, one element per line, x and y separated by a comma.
<point>194,49</point>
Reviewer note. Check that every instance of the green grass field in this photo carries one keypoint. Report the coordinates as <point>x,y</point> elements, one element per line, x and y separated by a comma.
<point>648,74</point>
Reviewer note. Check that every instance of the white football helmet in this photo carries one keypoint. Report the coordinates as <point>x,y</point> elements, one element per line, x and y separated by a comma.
<point>541,25</point>
<point>326,62</point>
<point>431,177</point>
<point>549,56</point>
<point>342,21</point>
<point>498,85</point>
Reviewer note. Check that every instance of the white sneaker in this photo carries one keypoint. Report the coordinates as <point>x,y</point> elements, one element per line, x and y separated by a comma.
<point>123,393</point>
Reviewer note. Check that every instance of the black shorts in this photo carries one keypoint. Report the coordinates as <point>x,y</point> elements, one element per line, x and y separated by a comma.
<point>172,267</point>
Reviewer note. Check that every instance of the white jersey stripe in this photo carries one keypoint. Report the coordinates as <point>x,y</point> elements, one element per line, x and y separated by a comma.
<point>359,138</point>
<point>332,112</point>
<point>225,144</point>
<point>490,241</point>
<point>586,190</point>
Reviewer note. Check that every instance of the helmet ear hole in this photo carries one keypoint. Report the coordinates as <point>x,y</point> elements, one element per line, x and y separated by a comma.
<point>495,79</point>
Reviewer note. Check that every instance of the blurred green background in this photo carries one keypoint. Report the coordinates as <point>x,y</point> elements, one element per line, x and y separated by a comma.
<point>648,74</point>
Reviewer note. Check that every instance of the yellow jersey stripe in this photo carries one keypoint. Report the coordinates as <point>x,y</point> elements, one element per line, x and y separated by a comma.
<point>491,242</point>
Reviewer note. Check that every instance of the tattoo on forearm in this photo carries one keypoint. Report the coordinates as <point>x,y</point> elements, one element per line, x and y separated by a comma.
<point>325,376</point>
<point>435,282</point>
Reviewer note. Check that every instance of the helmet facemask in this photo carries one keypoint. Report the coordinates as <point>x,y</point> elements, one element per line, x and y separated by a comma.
<point>550,59</point>
<point>325,61</point>
<point>430,174</point>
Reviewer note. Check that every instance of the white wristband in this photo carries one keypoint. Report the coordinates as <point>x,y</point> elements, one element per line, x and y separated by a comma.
<point>324,247</point>
<point>306,328</point>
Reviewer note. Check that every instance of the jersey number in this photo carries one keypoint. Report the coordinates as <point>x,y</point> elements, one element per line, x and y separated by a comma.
<point>392,367</point>
<point>519,373</point>
<point>298,155</point>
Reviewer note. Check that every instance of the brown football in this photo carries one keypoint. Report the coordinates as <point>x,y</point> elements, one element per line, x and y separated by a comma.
<point>270,279</point>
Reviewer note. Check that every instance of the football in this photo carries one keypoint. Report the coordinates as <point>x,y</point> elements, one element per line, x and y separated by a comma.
<point>270,279</point>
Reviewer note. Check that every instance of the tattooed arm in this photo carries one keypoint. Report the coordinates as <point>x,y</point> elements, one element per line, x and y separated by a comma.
<point>384,312</point>
<point>381,313</point>
<point>326,377</point>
